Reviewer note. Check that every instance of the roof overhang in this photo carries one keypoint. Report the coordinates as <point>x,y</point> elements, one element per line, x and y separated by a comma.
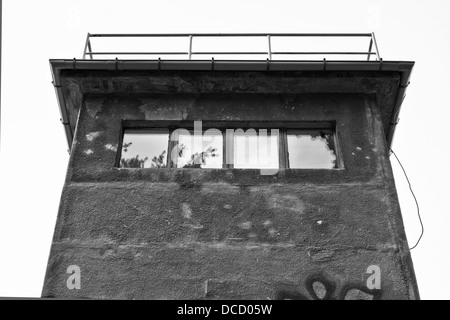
<point>402,68</point>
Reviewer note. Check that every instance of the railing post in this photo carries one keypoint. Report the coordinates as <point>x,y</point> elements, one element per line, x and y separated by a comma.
<point>86,46</point>
<point>89,47</point>
<point>370,49</point>
<point>190,47</point>
<point>376,47</point>
<point>270,47</point>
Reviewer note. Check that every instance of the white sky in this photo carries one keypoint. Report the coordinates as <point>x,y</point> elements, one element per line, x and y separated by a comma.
<point>33,156</point>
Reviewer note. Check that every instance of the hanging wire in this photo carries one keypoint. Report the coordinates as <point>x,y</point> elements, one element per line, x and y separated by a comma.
<point>415,199</point>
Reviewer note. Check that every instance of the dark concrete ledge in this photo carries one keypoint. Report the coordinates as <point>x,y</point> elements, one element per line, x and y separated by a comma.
<point>324,68</point>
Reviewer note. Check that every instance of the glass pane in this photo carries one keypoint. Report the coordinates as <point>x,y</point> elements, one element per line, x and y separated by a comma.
<point>145,148</point>
<point>200,151</point>
<point>256,150</point>
<point>312,149</point>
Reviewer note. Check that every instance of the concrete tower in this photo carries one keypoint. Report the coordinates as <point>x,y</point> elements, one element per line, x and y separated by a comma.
<point>165,198</point>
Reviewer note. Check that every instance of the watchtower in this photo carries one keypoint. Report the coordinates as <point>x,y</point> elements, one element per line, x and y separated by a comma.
<point>228,178</point>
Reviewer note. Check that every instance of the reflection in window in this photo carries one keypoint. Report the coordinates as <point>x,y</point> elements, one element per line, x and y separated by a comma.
<point>199,151</point>
<point>144,148</point>
<point>229,148</point>
<point>311,149</point>
<point>255,149</point>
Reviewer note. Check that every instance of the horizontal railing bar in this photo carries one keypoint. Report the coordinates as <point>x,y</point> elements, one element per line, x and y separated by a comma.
<point>121,35</point>
<point>318,52</point>
<point>127,53</point>
<point>231,53</point>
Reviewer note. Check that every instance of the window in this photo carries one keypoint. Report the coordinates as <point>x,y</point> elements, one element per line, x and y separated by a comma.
<point>197,151</point>
<point>255,149</point>
<point>144,148</point>
<point>231,147</point>
<point>311,149</point>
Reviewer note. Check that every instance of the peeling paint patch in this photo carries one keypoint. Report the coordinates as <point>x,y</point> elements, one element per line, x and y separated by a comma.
<point>228,206</point>
<point>111,147</point>
<point>356,294</point>
<point>91,136</point>
<point>321,255</point>
<point>93,107</point>
<point>287,202</point>
<point>253,236</point>
<point>367,157</point>
<point>172,108</point>
<point>193,226</point>
<point>88,151</point>
<point>273,232</point>
<point>245,225</point>
<point>358,148</point>
<point>267,223</point>
<point>186,211</point>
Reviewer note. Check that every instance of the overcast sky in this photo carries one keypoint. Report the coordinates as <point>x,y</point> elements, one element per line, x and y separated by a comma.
<point>33,154</point>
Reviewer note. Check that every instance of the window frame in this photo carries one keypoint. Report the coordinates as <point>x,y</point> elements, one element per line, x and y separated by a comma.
<point>282,126</point>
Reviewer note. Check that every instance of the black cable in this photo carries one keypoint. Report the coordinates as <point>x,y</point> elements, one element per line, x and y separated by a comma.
<point>415,199</point>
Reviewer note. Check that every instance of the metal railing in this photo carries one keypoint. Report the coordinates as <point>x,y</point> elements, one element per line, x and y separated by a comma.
<point>267,54</point>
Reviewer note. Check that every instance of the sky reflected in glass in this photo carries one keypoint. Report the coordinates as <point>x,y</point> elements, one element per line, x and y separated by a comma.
<point>200,151</point>
<point>311,149</point>
<point>144,148</point>
<point>255,151</point>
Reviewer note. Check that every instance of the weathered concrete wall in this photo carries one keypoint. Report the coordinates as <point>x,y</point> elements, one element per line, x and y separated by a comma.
<point>213,233</point>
